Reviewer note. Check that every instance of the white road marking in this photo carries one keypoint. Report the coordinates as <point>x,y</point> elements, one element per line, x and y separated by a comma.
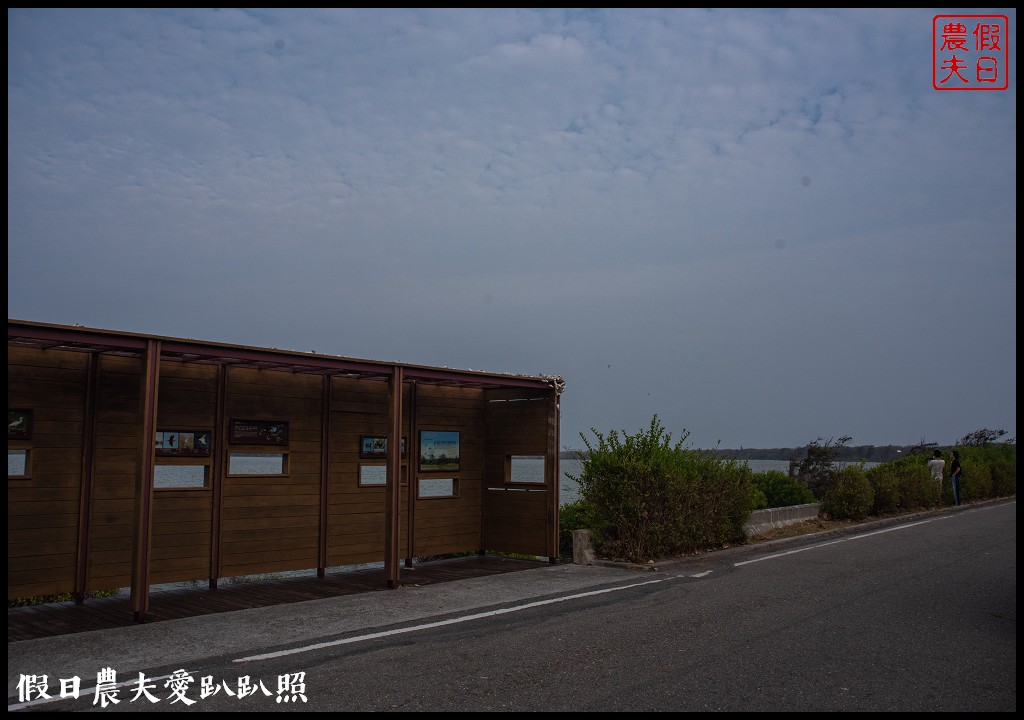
<point>773,556</point>
<point>442,623</point>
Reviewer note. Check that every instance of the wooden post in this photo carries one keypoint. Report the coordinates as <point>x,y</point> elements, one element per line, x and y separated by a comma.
<point>325,452</point>
<point>143,531</point>
<point>217,472</point>
<point>554,422</point>
<point>412,455</point>
<point>392,516</point>
<point>85,496</point>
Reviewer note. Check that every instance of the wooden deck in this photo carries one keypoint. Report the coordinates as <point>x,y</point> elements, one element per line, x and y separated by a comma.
<point>39,621</point>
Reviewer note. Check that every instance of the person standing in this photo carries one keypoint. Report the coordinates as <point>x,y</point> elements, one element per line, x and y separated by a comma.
<point>936,465</point>
<point>955,473</point>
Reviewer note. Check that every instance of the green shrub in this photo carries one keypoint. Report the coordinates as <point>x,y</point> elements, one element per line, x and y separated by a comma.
<point>850,497</point>
<point>759,501</point>
<point>819,468</point>
<point>975,484</point>
<point>885,481</point>
<point>781,490</point>
<point>914,482</point>
<point>1004,478</point>
<point>646,498</point>
<point>650,498</point>
<point>988,471</point>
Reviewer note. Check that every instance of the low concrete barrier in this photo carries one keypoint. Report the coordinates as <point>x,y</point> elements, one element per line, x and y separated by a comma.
<point>761,521</point>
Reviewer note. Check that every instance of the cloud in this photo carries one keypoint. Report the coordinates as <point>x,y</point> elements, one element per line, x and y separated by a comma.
<point>755,216</point>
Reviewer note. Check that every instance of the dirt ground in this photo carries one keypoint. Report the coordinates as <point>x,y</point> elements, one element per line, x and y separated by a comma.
<point>817,524</point>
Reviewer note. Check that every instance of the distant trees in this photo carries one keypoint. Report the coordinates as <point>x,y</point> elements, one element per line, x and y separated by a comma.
<point>845,454</point>
<point>981,438</point>
<point>922,447</point>
<point>817,469</point>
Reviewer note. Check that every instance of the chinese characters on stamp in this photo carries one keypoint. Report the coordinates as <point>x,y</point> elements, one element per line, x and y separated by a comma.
<point>970,52</point>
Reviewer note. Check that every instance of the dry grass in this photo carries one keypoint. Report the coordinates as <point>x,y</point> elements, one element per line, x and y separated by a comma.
<point>807,527</point>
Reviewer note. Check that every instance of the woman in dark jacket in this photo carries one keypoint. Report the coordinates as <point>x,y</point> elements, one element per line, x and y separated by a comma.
<point>954,474</point>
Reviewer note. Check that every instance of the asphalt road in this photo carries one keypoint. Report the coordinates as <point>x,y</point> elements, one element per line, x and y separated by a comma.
<point>915,615</point>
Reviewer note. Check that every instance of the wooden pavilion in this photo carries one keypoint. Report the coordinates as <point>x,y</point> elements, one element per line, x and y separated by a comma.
<point>135,460</point>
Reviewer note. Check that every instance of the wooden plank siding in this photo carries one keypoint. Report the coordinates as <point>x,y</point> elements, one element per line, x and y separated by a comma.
<point>356,515</point>
<point>259,499</point>
<point>313,514</point>
<point>115,471</point>
<point>451,524</point>
<point>42,508</point>
<point>183,519</point>
<point>516,515</point>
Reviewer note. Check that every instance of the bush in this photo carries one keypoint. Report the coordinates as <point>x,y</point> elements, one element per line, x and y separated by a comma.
<point>976,484</point>
<point>1004,478</point>
<point>913,482</point>
<point>759,501</point>
<point>818,470</point>
<point>988,471</point>
<point>649,498</point>
<point>850,497</point>
<point>781,490</point>
<point>885,481</point>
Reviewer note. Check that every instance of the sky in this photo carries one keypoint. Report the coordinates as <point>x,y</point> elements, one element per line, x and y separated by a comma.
<point>762,226</point>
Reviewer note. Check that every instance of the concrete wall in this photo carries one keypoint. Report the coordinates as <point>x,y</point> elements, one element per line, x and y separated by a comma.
<point>761,521</point>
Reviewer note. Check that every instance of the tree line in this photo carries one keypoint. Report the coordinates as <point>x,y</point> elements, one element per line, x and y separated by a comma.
<point>841,451</point>
<point>868,453</point>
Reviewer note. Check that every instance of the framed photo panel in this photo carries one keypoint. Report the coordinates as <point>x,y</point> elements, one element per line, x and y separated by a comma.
<point>19,424</point>
<point>439,451</point>
<point>375,447</point>
<point>259,432</point>
<point>182,443</point>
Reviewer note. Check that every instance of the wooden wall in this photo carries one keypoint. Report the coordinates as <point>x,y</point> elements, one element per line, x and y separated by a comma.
<point>114,472</point>
<point>520,518</point>
<point>182,519</point>
<point>452,524</point>
<point>252,524</point>
<point>271,523</point>
<point>355,527</point>
<point>42,510</point>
